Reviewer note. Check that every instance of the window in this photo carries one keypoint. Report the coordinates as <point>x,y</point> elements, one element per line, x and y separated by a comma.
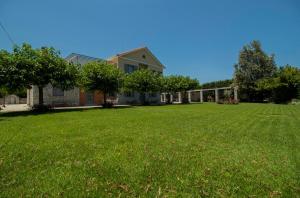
<point>129,68</point>
<point>57,92</point>
<point>129,94</point>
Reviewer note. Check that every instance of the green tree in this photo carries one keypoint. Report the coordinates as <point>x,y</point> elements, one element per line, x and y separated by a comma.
<point>253,65</point>
<point>283,86</point>
<point>287,81</point>
<point>100,75</point>
<point>41,67</point>
<point>143,81</point>
<point>218,83</point>
<point>178,83</point>
<point>298,91</point>
<point>6,65</point>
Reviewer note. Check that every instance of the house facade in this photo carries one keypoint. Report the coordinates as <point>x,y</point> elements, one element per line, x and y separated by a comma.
<point>128,62</point>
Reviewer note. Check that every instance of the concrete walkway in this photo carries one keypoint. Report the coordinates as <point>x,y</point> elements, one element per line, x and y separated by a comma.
<point>15,108</point>
<point>25,107</point>
<point>89,107</point>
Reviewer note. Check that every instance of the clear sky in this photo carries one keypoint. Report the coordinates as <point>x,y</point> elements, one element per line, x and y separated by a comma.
<point>199,38</point>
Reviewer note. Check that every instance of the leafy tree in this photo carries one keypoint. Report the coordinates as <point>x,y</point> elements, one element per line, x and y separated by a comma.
<point>101,76</point>
<point>143,81</point>
<point>41,67</point>
<point>218,83</point>
<point>6,64</point>
<point>298,91</point>
<point>286,84</point>
<point>283,86</point>
<point>254,64</point>
<point>177,83</point>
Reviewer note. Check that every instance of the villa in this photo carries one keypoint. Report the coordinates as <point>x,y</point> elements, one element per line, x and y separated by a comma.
<point>128,62</point>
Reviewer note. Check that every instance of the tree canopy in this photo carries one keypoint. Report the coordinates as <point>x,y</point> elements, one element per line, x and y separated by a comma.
<point>253,65</point>
<point>178,83</point>
<point>143,81</point>
<point>218,83</point>
<point>283,86</point>
<point>25,67</point>
<point>100,75</point>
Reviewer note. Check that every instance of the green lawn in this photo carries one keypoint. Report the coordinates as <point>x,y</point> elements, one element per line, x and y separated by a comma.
<point>165,151</point>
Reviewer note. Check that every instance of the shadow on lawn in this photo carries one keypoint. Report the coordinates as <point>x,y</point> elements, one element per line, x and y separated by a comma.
<point>54,111</point>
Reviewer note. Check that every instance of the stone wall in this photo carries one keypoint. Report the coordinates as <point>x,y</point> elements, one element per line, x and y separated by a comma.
<point>8,101</point>
<point>70,97</point>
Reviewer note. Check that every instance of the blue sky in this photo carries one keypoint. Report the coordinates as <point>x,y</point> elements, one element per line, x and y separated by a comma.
<point>199,38</point>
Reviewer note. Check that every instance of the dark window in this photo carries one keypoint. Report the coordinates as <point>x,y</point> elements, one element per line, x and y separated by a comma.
<point>57,92</point>
<point>129,68</point>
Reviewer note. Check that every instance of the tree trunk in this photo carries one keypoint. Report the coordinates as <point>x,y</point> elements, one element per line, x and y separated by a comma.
<point>184,98</point>
<point>143,98</point>
<point>4,100</point>
<point>104,98</point>
<point>41,96</point>
<point>168,98</point>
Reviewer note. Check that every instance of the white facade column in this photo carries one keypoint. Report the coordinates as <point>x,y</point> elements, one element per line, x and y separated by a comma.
<point>189,96</point>
<point>171,98</point>
<point>165,97</point>
<point>179,97</point>
<point>235,93</point>
<point>216,95</point>
<point>201,96</point>
<point>28,97</point>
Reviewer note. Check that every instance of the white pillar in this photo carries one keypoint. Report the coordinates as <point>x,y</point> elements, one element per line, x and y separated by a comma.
<point>165,97</point>
<point>189,96</point>
<point>235,93</point>
<point>171,98</point>
<point>216,95</point>
<point>201,96</point>
<point>179,97</point>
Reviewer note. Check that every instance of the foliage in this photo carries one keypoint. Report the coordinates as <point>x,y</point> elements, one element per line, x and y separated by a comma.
<point>5,66</point>
<point>177,83</point>
<point>254,64</point>
<point>41,67</point>
<point>100,75</point>
<point>284,84</point>
<point>298,91</point>
<point>204,150</point>
<point>22,93</point>
<point>143,81</point>
<point>219,83</point>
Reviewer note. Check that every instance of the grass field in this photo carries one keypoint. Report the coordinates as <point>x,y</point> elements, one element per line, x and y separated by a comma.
<point>165,151</point>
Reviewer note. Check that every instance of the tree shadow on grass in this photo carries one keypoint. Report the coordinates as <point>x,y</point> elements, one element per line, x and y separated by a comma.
<point>4,115</point>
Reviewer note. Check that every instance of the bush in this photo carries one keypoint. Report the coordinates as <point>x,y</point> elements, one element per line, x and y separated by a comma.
<point>108,105</point>
<point>41,108</point>
<point>295,102</point>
